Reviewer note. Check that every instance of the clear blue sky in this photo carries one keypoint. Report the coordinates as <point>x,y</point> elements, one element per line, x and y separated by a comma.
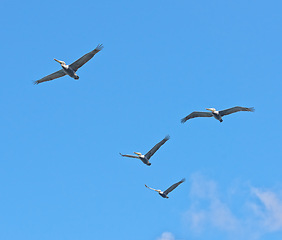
<point>61,176</point>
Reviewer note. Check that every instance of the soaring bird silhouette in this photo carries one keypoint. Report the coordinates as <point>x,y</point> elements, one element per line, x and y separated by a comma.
<point>72,68</point>
<point>145,158</point>
<point>216,114</point>
<point>166,192</point>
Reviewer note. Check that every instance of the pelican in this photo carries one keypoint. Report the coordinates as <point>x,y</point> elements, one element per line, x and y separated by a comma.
<point>145,158</point>
<point>216,114</point>
<point>166,192</point>
<point>72,68</point>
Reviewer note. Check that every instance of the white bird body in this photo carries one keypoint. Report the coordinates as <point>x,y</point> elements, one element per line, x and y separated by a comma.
<point>143,158</point>
<point>215,114</point>
<point>163,194</point>
<point>67,69</point>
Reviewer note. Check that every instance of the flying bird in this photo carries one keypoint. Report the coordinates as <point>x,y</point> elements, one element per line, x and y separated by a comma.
<point>166,192</point>
<point>145,158</point>
<point>72,68</point>
<point>216,114</point>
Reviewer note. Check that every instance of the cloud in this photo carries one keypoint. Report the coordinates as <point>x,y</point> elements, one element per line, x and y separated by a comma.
<point>166,236</point>
<point>259,211</point>
<point>270,209</point>
<point>207,208</point>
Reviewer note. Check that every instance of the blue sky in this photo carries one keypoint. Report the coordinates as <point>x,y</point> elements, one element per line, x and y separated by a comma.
<point>61,176</point>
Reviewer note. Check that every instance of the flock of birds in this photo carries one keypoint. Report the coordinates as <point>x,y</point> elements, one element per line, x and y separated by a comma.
<point>71,71</point>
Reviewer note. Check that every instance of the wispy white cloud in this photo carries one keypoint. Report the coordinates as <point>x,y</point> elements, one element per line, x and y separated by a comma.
<point>269,210</point>
<point>166,236</point>
<point>207,208</point>
<point>210,209</point>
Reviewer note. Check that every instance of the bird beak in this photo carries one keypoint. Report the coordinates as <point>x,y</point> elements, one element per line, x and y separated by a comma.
<point>58,61</point>
<point>208,109</point>
<point>136,153</point>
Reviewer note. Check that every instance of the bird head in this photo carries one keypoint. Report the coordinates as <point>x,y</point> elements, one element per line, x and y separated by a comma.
<point>59,61</point>
<point>138,153</point>
<point>211,109</point>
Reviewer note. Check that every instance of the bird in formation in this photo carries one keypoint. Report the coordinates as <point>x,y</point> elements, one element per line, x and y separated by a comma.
<point>72,68</point>
<point>71,71</point>
<point>216,114</point>
<point>145,158</point>
<point>166,192</point>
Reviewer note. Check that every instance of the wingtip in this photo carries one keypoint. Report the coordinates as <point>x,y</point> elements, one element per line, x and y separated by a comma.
<point>183,120</point>
<point>35,82</point>
<point>252,109</point>
<point>183,180</point>
<point>99,47</point>
<point>167,137</point>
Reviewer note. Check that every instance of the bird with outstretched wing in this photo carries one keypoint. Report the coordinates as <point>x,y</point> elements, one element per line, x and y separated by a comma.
<point>72,68</point>
<point>149,154</point>
<point>167,191</point>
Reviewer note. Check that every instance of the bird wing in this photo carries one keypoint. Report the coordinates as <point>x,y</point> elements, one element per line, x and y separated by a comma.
<point>173,186</point>
<point>126,155</point>
<point>85,58</point>
<point>149,154</point>
<point>50,77</point>
<point>196,114</point>
<point>235,109</point>
<point>152,188</point>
